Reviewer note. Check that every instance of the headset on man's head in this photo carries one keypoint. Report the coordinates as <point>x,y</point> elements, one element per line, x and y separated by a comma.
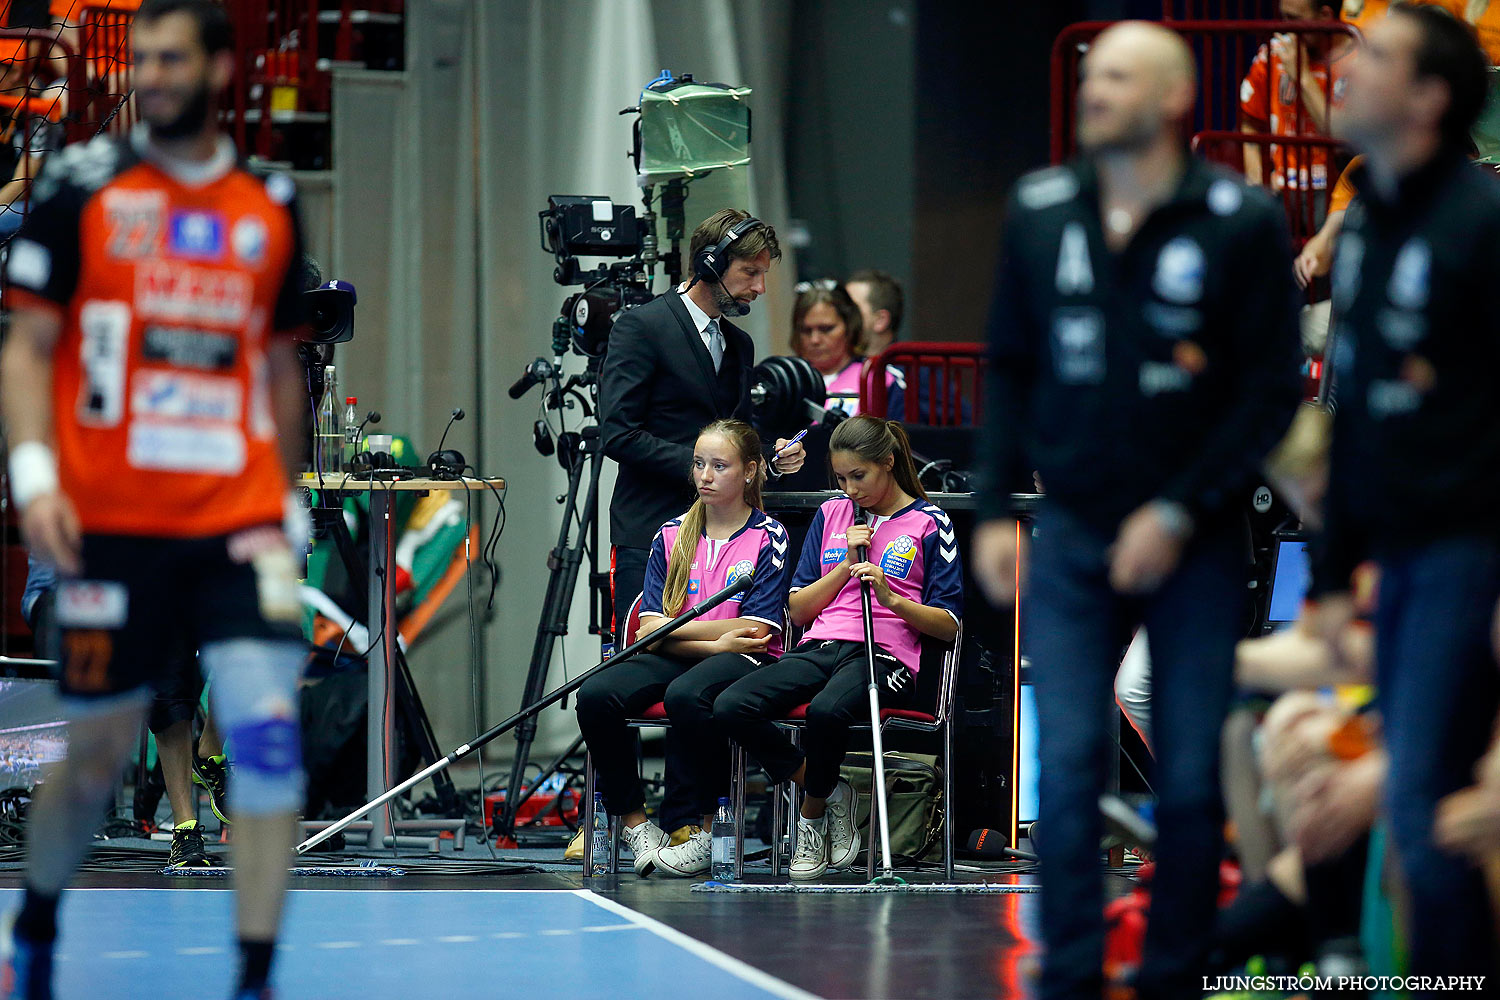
<point>712,263</point>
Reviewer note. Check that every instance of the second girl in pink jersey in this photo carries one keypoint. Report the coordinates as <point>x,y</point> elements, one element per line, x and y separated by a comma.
<point>910,560</point>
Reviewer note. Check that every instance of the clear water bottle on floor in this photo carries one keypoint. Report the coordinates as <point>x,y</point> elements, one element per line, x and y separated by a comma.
<point>723,843</point>
<point>600,834</point>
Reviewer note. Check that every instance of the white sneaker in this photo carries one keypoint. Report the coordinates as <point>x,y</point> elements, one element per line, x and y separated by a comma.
<point>644,841</point>
<point>843,838</point>
<point>687,859</point>
<point>811,859</point>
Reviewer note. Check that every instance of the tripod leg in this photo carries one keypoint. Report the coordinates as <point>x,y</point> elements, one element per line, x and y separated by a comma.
<point>563,564</point>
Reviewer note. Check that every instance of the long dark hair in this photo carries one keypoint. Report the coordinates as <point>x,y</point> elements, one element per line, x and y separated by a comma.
<point>680,562</point>
<point>874,440</point>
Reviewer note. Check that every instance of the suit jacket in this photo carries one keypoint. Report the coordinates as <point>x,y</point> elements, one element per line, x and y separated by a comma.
<point>657,390</point>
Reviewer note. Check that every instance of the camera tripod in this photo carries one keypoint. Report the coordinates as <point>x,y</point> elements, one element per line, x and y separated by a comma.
<point>581,453</point>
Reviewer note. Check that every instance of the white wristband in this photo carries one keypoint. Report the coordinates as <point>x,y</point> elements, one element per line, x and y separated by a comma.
<point>33,472</point>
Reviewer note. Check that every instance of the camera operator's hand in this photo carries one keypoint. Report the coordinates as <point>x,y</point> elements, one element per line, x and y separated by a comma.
<point>789,457</point>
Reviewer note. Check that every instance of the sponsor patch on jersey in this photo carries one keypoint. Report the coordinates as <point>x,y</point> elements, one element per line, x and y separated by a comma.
<point>737,572</point>
<point>1180,271</point>
<point>173,447</point>
<point>178,396</point>
<point>249,239</point>
<point>694,586</point>
<point>1078,346</point>
<point>1411,276</point>
<point>134,220</point>
<point>1046,188</point>
<point>1157,377</point>
<point>30,264</point>
<point>834,556</point>
<point>183,347</point>
<point>280,188</point>
<point>196,235</point>
<point>899,555</point>
<point>1225,197</point>
<point>103,346</point>
<point>172,292</point>
<point>92,604</point>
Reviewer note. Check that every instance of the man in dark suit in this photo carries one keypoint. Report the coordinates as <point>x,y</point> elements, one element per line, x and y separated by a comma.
<point>675,365</point>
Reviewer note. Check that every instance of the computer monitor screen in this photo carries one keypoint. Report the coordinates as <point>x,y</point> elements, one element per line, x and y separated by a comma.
<point>1289,584</point>
<point>1027,760</point>
<point>33,730</point>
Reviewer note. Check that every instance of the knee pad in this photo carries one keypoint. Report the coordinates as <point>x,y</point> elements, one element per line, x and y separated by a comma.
<point>253,684</point>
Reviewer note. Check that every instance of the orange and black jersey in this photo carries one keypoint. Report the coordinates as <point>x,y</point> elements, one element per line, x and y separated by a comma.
<point>169,279</point>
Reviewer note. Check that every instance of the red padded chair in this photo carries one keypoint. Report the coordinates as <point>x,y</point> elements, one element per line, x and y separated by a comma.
<point>656,717</point>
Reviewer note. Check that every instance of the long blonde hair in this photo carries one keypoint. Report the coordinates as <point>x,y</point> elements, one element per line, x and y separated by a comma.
<point>680,563</point>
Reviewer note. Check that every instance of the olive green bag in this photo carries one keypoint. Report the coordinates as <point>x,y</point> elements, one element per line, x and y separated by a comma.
<point>914,792</point>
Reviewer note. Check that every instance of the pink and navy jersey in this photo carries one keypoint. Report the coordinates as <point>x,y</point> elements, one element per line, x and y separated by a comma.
<point>844,389</point>
<point>916,550</point>
<point>758,550</point>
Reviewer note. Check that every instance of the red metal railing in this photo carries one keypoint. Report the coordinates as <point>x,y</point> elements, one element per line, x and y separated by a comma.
<point>1219,10</point>
<point>104,48</point>
<point>1223,50</point>
<point>1303,156</point>
<point>276,53</point>
<point>944,382</point>
<point>31,57</point>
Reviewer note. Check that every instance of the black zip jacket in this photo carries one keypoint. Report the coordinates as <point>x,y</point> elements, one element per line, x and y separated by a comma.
<point>1416,443</point>
<point>1166,371</point>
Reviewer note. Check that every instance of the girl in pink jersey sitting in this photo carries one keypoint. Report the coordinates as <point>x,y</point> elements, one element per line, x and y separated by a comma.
<point>722,537</point>
<point>827,330</point>
<point>916,585</point>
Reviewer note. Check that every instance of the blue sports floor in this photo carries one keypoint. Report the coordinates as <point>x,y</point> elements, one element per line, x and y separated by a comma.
<point>406,944</point>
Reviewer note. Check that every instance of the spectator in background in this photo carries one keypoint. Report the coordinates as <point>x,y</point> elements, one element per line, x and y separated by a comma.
<point>1484,17</point>
<point>828,331</point>
<point>1316,258</point>
<point>1291,83</point>
<point>1362,13</point>
<point>28,132</point>
<point>881,305</point>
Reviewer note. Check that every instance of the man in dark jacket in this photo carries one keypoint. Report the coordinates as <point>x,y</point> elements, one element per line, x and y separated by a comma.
<point>674,366</point>
<point>1144,361</point>
<point>1415,475</point>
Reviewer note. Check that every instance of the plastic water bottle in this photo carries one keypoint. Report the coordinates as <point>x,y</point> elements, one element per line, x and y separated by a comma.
<point>351,429</point>
<point>600,835</point>
<point>723,843</point>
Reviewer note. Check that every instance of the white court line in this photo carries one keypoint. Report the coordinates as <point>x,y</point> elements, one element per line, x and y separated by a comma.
<point>74,893</point>
<point>337,944</point>
<point>603,928</point>
<point>710,954</point>
<point>125,954</point>
<point>458,939</point>
<point>397,942</point>
<point>200,951</point>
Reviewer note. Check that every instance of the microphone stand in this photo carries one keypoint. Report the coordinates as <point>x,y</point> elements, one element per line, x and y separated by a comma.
<point>887,875</point>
